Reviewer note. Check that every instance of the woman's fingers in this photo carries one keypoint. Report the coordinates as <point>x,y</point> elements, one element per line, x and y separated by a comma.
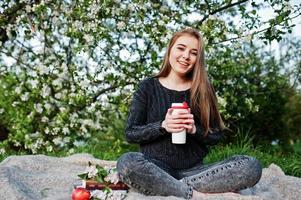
<point>178,126</point>
<point>189,127</point>
<point>180,121</point>
<point>176,122</point>
<point>169,111</point>
<point>176,130</point>
<point>182,116</point>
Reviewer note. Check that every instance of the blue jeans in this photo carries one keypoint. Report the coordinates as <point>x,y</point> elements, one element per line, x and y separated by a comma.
<point>153,177</point>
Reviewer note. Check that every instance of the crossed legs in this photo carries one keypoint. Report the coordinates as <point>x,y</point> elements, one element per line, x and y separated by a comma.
<point>156,178</point>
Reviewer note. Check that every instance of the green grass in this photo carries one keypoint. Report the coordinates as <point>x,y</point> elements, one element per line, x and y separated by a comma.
<point>290,163</point>
<point>107,150</point>
<point>108,147</point>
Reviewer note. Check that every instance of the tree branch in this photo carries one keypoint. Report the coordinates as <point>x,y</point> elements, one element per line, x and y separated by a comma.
<point>297,76</point>
<point>219,10</point>
<point>254,33</point>
<point>208,5</point>
<point>94,98</point>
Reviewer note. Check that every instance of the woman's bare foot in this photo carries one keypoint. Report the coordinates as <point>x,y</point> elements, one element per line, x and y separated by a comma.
<point>199,195</point>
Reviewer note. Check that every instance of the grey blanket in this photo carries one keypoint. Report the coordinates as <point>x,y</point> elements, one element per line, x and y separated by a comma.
<point>36,177</point>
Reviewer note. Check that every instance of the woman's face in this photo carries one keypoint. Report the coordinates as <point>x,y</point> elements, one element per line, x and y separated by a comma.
<point>183,55</point>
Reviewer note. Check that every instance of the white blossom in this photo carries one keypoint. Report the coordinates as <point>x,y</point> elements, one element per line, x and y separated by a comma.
<point>83,130</point>
<point>33,74</point>
<point>46,130</point>
<point>49,148</point>
<point>287,7</point>
<point>58,95</point>
<point>74,116</point>
<point>99,194</point>
<point>66,130</point>
<point>25,96</point>
<point>66,139</point>
<point>18,90</point>
<point>111,195</point>
<point>45,91</point>
<point>87,122</point>
<point>38,107</point>
<point>120,25</point>
<point>57,141</point>
<point>256,108</point>
<point>2,151</point>
<point>79,143</point>
<point>78,24</point>
<point>161,23</point>
<point>31,115</point>
<point>33,83</point>
<point>43,69</point>
<point>55,130</point>
<point>72,95</point>
<point>2,110</point>
<point>58,82</point>
<point>17,143</point>
<point>62,109</point>
<point>88,38</point>
<point>84,84</point>
<point>212,17</point>
<point>44,119</point>
<point>34,135</point>
<point>15,103</point>
<point>91,170</point>
<point>9,29</point>
<point>71,151</point>
<point>249,102</point>
<point>221,101</point>
<point>28,8</point>
<point>47,106</point>
<point>112,177</point>
<point>249,37</point>
<point>71,125</point>
<point>55,20</point>
<point>91,108</point>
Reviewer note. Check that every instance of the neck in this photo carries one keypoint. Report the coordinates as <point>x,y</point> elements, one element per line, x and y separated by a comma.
<point>172,81</point>
<point>175,79</point>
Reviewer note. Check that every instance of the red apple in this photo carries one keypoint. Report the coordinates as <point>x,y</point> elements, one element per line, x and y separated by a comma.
<point>80,194</point>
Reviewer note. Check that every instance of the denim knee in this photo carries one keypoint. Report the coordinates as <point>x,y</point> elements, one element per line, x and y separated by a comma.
<point>126,162</point>
<point>138,172</point>
<point>255,169</point>
<point>252,167</point>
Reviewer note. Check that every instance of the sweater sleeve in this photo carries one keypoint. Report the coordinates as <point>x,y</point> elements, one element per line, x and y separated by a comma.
<point>137,130</point>
<point>212,138</point>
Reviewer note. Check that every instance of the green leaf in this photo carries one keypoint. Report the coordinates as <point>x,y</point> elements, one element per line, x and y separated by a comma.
<point>106,190</point>
<point>83,176</point>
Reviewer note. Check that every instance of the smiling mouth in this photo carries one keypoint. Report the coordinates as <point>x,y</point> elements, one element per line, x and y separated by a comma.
<point>183,63</point>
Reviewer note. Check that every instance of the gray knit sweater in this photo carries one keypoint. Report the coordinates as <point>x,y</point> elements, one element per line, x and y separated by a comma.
<point>148,109</point>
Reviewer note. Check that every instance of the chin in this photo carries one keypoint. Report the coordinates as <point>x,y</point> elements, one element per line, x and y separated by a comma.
<point>182,73</point>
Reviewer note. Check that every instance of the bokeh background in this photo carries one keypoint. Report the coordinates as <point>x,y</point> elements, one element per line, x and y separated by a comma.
<point>68,69</point>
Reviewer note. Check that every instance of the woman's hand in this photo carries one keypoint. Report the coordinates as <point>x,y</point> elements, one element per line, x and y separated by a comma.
<point>174,123</point>
<point>190,127</point>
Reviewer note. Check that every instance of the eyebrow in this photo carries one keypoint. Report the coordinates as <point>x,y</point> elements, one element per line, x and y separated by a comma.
<point>186,46</point>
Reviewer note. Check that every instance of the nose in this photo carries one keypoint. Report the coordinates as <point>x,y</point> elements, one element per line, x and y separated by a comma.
<point>186,55</point>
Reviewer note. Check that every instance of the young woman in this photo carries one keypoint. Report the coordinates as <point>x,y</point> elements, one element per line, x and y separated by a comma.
<point>164,168</point>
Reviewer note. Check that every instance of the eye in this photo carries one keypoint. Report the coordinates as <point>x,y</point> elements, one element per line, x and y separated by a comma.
<point>181,48</point>
<point>194,53</point>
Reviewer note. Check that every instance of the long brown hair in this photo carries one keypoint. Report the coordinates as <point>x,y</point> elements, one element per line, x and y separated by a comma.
<point>203,99</point>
